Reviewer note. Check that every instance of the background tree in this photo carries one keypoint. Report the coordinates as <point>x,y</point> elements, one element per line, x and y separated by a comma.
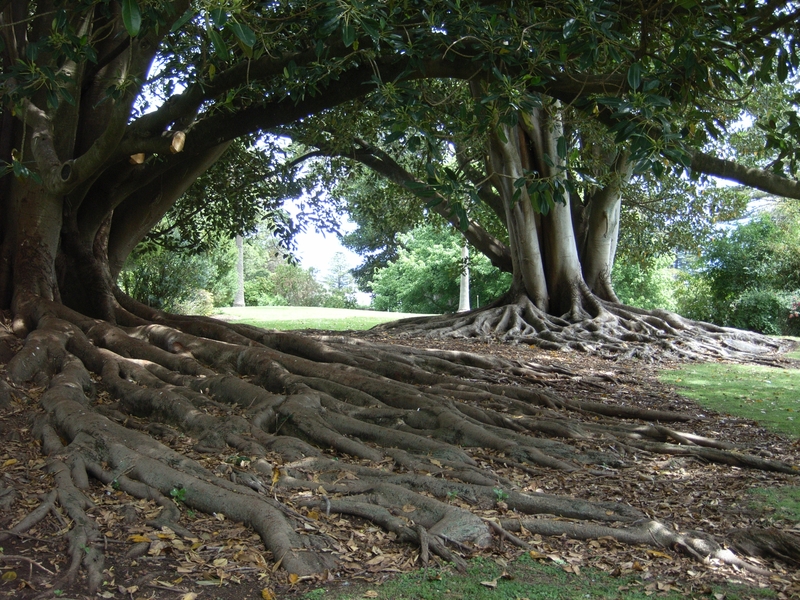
<point>748,276</point>
<point>424,278</point>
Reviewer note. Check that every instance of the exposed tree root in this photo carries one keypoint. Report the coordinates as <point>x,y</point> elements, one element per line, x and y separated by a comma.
<point>406,424</point>
<point>597,326</point>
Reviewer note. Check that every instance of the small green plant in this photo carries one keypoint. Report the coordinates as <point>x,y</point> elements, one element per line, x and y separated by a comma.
<point>239,461</point>
<point>452,495</point>
<point>499,494</point>
<point>178,494</point>
<point>58,593</point>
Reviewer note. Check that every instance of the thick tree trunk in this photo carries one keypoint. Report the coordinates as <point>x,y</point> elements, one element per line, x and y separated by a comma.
<point>600,232</point>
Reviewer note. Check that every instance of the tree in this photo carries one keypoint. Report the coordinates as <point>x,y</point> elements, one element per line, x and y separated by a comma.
<point>424,278</point>
<point>112,110</point>
<point>748,276</point>
<point>339,283</point>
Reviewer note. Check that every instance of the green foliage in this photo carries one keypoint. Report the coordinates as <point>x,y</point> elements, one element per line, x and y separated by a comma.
<point>649,285</point>
<point>173,281</point>
<point>425,276</point>
<point>243,192</point>
<point>748,276</point>
<point>766,311</point>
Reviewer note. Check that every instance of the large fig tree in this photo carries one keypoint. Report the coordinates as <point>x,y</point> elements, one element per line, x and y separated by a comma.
<point>111,110</point>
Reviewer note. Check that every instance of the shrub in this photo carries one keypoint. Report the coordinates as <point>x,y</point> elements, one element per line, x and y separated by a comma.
<point>200,303</point>
<point>764,311</point>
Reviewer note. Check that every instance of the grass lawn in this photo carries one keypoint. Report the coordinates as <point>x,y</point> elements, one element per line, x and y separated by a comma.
<point>544,578</point>
<point>768,395</point>
<point>305,317</point>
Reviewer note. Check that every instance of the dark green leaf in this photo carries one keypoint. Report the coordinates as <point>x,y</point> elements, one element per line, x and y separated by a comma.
<point>348,34</point>
<point>218,17</point>
<point>219,44</point>
<point>182,21</point>
<point>561,147</point>
<point>635,76</point>
<point>244,33</point>
<point>131,17</point>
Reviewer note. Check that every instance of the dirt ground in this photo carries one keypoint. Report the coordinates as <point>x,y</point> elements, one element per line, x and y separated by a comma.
<point>223,560</point>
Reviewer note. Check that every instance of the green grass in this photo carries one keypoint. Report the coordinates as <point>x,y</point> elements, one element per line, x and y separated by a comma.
<point>768,395</point>
<point>530,579</point>
<point>302,317</point>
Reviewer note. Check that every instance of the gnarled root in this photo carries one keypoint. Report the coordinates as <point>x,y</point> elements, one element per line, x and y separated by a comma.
<point>414,432</point>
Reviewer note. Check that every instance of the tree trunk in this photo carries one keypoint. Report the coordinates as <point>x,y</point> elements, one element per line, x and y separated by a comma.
<point>238,299</point>
<point>463,288</point>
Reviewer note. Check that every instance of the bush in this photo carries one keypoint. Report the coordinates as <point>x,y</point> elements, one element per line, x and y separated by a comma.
<point>764,311</point>
<point>647,286</point>
<point>164,279</point>
<point>200,303</point>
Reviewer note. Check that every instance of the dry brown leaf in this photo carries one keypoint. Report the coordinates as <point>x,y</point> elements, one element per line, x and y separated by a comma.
<point>535,554</point>
<point>370,594</point>
<point>137,159</point>
<point>268,594</point>
<point>137,539</point>
<point>408,508</point>
<point>293,578</point>
<point>189,596</point>
<point>178,140</point>
<point>490,584</point>
<point>659,554</point>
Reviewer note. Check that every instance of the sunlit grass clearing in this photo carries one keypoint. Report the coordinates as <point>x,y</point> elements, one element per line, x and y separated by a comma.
<point>288,318</point>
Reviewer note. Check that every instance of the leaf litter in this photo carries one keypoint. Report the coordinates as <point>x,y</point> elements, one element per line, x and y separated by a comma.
<point>143,560</point>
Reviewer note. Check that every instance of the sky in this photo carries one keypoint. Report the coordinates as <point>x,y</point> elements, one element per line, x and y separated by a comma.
<point>315,250</point>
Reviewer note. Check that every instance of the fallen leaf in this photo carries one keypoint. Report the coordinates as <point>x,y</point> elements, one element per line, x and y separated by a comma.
<point>490,584</point>
<point>370,594</point>
<point>178,140</point>
<point>137,539</point>
<point>293,578</point>
<point>189,596</point>
<point>9,576</point>
<point>408,508</point>
<point>535,554</point>
<point>268,594</point>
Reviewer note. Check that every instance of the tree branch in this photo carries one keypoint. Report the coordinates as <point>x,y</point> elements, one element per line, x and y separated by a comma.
<point>755,178</point>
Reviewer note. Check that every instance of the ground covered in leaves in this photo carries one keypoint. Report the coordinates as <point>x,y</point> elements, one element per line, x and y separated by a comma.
<point>215,557</point>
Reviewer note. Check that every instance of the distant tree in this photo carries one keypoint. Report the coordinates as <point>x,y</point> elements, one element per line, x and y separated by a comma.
<point>340,284</point>
<point>649,284</point>
<point>425,276</point>
<point>178,281</point>
<point>749,275</point>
